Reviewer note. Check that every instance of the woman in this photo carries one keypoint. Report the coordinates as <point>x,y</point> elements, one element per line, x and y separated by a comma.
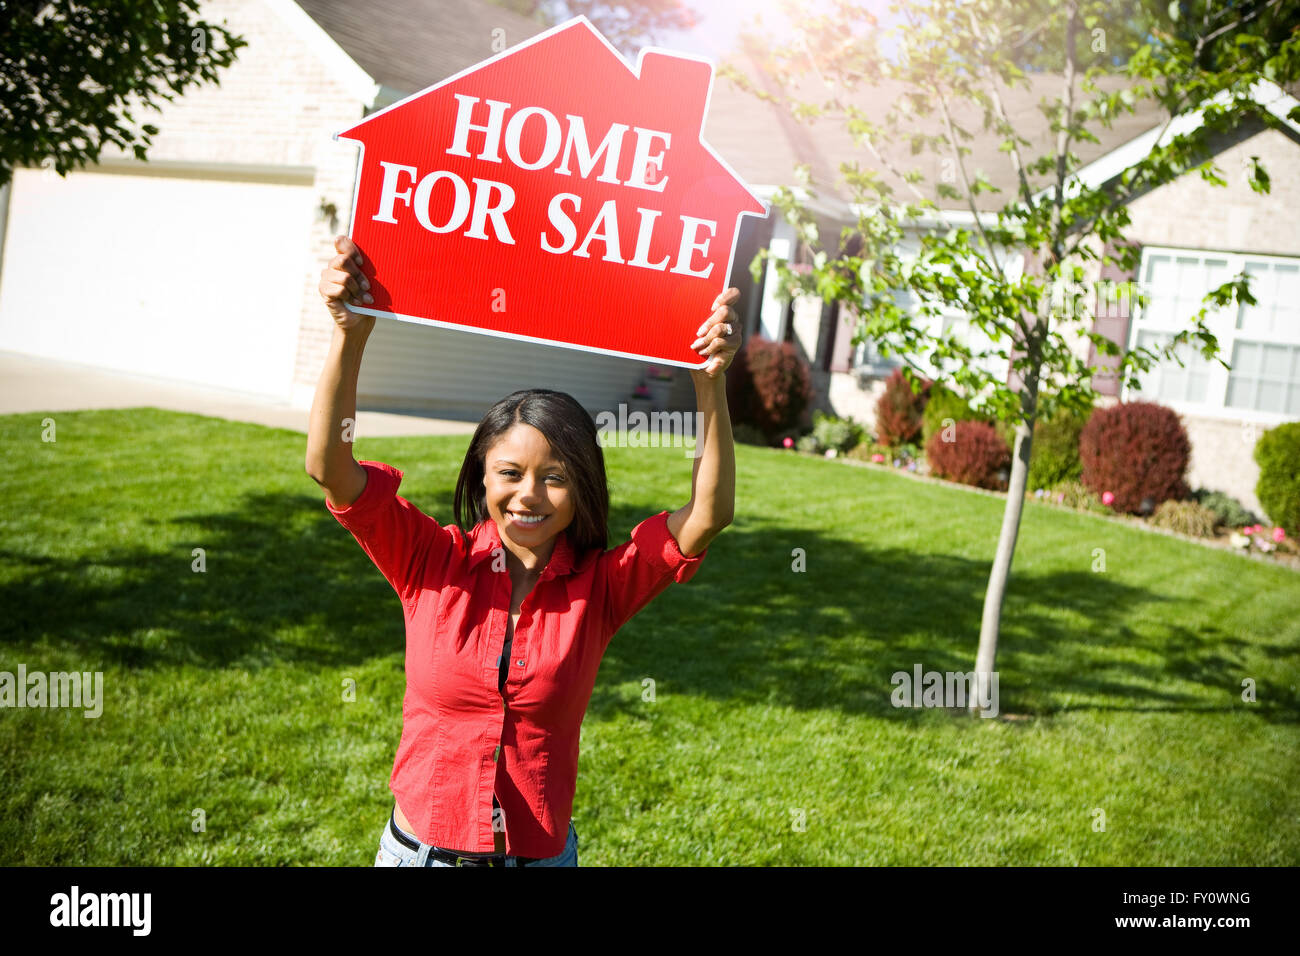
<point>506,622</point>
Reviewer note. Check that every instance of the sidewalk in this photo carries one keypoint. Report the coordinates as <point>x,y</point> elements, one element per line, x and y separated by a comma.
<point>29,384</point>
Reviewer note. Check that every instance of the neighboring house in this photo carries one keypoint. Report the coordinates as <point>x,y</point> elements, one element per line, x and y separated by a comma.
<point>1193,236</point>
<point>202,264</point>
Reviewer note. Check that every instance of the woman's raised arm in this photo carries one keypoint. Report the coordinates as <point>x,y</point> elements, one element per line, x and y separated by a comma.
<point>713,479</point>
<point>334,409</point>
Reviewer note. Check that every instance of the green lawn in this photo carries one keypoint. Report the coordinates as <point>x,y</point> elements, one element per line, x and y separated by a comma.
<point>223,690</point>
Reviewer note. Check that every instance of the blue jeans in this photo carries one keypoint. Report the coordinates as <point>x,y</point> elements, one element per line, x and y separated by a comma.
<point>392,852</point>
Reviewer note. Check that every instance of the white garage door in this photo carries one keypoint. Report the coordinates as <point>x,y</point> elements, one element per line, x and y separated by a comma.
<point>191,279</point>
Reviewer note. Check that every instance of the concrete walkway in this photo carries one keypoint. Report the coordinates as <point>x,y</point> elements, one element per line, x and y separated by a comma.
<point>29,384</point>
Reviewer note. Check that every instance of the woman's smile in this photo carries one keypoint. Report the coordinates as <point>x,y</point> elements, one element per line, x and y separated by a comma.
<point>526,518</point>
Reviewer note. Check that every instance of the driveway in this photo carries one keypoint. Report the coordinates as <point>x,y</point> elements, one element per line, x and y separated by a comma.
<point>29,384</point>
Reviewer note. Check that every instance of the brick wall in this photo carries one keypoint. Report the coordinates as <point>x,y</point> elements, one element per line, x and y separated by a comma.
<point>1192,213</point>
<point>1223,457</point>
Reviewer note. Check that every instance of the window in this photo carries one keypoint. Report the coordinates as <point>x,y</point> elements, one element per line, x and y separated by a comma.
<point>950,321</point>
<point>1260,342</point>
<point>868,361</point>
<point>1265,378</point>
<point>1170,383</point>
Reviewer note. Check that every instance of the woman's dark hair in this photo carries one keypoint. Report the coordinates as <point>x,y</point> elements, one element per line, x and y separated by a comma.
<point>572,436</point>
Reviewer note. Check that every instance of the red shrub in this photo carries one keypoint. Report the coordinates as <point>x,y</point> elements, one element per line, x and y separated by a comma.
<point>1137,451</point>
<point>899,410</point>
<point>974,457</point>
<point>768,385</point>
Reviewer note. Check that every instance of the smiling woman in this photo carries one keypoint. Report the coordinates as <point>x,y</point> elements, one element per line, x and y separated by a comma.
<point>508,611</point>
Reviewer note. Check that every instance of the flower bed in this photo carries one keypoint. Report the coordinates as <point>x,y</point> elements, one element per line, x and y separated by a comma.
<point>1256,540</point>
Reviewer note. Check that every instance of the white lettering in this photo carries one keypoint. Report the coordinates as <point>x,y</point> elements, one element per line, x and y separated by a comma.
<point>388,194</point>
<point>609,234</point>
<point>103,909</point>
<point>459,211</point>
<point>643,233</point>
<point>561,221</point>
<point>611,146</point>
<point>689,246</point>
<point>492,131</point>
<point>515,131</point>
<point>641,159</point>
<point>483,209</point>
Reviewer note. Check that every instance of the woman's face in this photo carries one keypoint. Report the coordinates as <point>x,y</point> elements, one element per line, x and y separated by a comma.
<point>523,478</point>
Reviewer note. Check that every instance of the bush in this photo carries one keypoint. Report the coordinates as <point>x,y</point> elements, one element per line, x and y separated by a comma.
<point>974,457</point>
<point>1074,494</point>
<point>1054,457</point>
<point>748,434</point>
<point>904,453</point>
<point>810,444</point>
<point>1278,454</point>
<point>1185,517</point>
<point>1138,451</point>
<point>838,433</point>
<point>899,410</point>
<point>1227,510</point>
<point>770,386</point>
<point>944,403</point>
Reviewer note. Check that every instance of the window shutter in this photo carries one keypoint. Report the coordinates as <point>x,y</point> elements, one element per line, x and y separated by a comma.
<point>841,357</point>
<point>1114,324</point>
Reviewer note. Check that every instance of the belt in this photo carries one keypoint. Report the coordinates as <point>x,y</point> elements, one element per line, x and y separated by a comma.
<point>455,859</point>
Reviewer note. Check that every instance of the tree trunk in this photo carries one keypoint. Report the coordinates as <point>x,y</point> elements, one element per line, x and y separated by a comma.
<point>1001,572</point>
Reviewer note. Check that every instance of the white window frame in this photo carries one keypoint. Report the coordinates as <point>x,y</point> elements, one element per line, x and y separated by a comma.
<point>867,361</point>
<point>1223,325</point>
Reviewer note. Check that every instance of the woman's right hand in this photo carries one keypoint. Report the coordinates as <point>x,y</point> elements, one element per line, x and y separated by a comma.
<point>341,282</point>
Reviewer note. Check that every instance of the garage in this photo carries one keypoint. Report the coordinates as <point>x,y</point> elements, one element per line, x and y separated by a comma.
<point>182,273</point>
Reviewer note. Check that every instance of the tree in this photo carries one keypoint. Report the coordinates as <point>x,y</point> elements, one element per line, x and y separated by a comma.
<point>74,73</point>
<point>628,26</point>
<point>948,64</point>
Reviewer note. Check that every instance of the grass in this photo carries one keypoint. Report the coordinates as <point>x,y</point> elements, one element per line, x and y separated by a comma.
<point>771,738</point>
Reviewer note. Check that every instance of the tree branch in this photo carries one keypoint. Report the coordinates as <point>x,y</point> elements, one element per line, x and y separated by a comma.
<point>1063,134</point>
<point>1203,42</point>
<point>965,179</point>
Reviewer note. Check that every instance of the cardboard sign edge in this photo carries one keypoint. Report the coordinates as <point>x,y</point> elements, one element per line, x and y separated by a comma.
<point>520,337</point>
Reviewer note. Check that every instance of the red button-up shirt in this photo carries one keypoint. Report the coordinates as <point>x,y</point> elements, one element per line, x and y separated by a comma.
<point>463,740</point>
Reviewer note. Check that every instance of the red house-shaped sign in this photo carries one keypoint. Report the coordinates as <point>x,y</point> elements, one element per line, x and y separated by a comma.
<point>552,194</point>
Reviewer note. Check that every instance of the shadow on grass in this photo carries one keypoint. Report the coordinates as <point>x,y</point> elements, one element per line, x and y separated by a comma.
<point>749,628</point>
<point>285,583</point>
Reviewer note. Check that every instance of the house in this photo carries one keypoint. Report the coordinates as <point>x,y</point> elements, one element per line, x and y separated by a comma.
<point>202,264</point>
<point>1192,235</point>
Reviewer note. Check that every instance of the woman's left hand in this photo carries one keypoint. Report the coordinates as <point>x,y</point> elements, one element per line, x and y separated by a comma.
<point>719,336</point>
